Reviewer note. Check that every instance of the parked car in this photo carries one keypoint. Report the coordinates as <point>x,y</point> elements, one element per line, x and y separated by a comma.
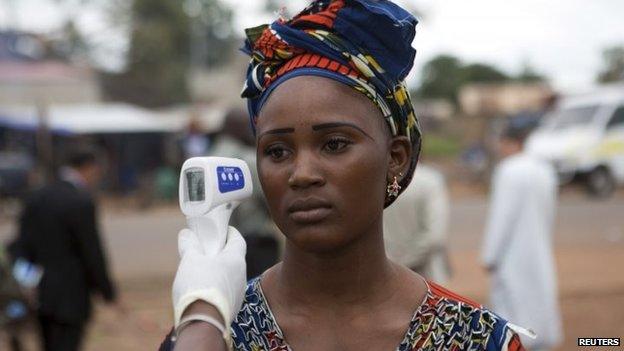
<point>584,139</point>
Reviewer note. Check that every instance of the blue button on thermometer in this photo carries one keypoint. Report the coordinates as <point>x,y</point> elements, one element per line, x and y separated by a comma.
<point>230,179</point>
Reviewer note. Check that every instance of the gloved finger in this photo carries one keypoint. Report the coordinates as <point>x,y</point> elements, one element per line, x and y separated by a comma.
<point>188,242</point>
<point>235,243</point>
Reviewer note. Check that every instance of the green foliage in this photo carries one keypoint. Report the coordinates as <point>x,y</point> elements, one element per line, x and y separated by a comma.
<point>444,76</point>
<point>440,146</point>
<point>157,60</point>
<point>72,44</point>
<point>478,72</point>
<point>212,35</point>
<point>167,36</point>
<point>613,70</point>
<point>68,42</point>
<point>528,75</point>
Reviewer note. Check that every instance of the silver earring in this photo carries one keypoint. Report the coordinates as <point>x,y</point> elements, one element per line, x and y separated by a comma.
<point>393,188</point>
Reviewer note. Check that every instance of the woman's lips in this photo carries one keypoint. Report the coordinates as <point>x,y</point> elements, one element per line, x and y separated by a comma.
<point>309,216</point>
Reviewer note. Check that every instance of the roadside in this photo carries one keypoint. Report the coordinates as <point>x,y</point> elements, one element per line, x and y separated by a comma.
<point>589,243</point>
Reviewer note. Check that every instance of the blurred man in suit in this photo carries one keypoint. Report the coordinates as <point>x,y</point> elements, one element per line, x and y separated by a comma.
<point>58,231</point>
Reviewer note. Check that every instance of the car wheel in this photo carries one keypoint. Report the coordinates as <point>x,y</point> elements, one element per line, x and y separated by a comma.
<point>600,183</point>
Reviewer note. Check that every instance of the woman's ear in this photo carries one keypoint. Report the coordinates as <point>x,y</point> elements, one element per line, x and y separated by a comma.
<point>400,156</point>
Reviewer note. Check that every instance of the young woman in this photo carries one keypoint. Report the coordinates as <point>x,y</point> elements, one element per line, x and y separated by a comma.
<point>337,141</point>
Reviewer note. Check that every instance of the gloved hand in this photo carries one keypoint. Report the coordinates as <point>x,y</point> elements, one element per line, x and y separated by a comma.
<point>217,279</point>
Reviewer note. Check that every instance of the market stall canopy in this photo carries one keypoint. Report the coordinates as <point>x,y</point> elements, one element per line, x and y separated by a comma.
<point>107,118</point>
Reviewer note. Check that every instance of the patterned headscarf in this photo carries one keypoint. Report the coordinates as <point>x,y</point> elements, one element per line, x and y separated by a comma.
<point>365,44</point>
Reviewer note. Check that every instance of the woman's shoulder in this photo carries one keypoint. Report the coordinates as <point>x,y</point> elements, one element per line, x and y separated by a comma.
<point>446,318</point>
<point>254,300</point>
<point>441,295</point>
<point>254,328</point>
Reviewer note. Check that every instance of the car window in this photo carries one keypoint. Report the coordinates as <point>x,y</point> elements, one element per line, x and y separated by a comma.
<point>571,117</point>
<point>617,120</point>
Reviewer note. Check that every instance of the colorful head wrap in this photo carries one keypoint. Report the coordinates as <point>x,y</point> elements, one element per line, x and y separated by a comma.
<point>365,44</point>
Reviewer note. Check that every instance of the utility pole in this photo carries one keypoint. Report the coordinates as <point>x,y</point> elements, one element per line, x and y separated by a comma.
<point>45,154</point>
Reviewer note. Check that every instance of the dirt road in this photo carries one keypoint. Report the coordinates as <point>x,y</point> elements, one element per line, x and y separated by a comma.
<point>589,243</point>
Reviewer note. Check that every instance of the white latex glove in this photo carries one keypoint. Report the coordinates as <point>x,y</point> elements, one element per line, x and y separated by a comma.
<point>217,279</point>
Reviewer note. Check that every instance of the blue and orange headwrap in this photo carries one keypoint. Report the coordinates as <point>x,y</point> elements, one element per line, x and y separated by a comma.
<point>365,44</point>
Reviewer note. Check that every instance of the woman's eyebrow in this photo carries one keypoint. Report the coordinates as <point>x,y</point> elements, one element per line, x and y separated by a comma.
<point>339,124</point>
<point>277,131</point>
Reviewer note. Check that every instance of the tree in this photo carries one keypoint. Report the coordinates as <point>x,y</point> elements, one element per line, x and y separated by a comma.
<point>166,37</point>
<point>68,42</point>
<point>159,53</point>
<point>478,72</point>
<point>212,34</point>
<point>442,77</point>
<point>528,75</point>
<point>72,44</point>
<point>613,61</point>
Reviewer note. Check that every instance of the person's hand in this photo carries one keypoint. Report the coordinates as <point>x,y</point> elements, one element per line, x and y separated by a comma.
<point>217,279</point>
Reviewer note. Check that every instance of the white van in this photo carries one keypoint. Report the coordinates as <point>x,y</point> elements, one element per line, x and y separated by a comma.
<point>584,138</point>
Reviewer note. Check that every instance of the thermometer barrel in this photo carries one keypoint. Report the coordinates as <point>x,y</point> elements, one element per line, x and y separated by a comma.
<point>212,228</point>
<point>211,239</point>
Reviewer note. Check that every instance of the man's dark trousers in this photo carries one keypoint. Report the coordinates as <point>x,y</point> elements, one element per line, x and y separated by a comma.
<point>58,336</point>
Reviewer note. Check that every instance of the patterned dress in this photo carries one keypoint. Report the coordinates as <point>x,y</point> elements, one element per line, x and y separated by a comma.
<point>445,321</point>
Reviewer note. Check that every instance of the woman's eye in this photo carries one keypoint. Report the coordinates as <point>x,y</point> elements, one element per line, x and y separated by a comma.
<point>336,144</point>
<point>276,152</point>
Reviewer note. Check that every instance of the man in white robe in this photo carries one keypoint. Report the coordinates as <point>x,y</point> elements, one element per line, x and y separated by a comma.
<point>415,226</point>
<point>517,250</point>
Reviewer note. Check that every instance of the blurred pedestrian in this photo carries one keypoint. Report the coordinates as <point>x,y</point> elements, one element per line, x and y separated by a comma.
<point>58,231</point>
<point>252,216</point>
<point>517,250</point>
<point>194,142</point>
<point>415,226</point>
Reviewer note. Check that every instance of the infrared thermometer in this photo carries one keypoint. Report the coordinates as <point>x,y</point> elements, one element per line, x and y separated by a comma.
<point>210,189</point>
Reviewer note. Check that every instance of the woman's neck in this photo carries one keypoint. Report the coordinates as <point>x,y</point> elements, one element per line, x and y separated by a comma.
<point>358,274</point>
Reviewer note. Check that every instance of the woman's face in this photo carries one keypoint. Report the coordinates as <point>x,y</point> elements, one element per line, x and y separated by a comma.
<point>323,155</point>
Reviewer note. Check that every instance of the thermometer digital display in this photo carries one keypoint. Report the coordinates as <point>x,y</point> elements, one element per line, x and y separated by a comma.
<point>195,184</point>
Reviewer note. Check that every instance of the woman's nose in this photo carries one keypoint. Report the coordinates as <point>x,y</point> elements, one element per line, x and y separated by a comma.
<point>306,172</point>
